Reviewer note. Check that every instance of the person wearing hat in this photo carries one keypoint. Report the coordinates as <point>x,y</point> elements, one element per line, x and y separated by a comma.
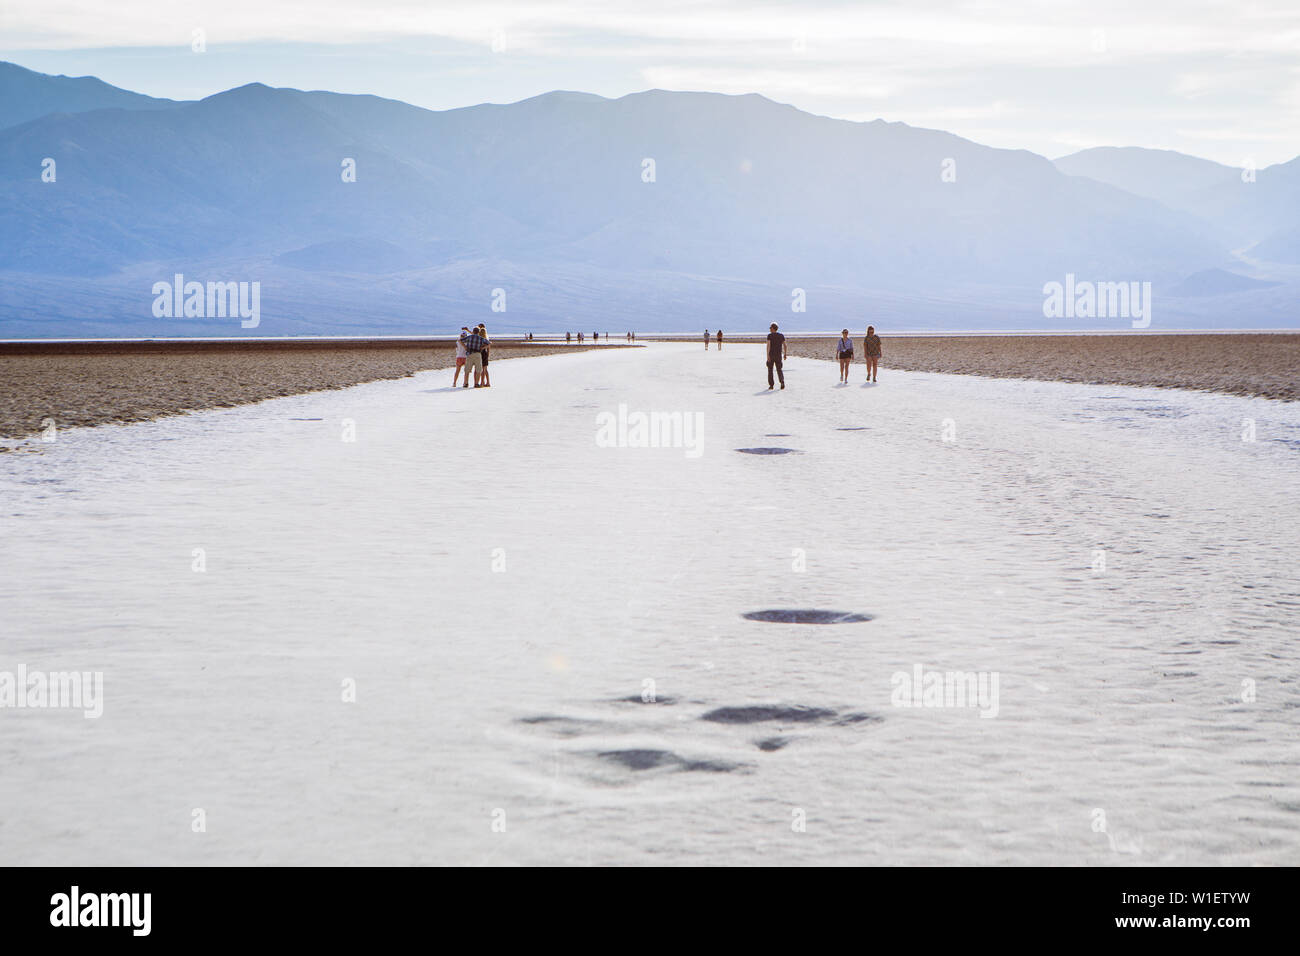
<point>460,356</point>
<point>844,352</point>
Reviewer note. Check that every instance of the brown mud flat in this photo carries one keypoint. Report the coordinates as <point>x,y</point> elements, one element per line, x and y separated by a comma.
<point>94,383</point>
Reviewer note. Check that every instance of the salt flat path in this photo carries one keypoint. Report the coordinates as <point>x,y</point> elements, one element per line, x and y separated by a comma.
<point>501,590</point>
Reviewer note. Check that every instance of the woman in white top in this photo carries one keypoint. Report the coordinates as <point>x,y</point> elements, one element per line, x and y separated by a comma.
<point>844,351</point>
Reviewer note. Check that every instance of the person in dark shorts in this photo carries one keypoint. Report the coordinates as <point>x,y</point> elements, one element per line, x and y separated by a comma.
<point>844,352</point>
<point>871,351</point>
<point>487,347</point>
<point>776,354</point>
<point>719,340</point>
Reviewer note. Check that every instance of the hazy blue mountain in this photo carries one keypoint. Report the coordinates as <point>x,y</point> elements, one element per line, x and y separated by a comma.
<point>1282,246</point>
<point>1172,178</point>
<point>1244,207</point>
<point>1217,282</point>
<point>547,199</point>
<point>26,95</point>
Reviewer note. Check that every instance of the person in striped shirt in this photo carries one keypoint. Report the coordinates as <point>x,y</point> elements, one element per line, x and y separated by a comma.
<point>474,345</point>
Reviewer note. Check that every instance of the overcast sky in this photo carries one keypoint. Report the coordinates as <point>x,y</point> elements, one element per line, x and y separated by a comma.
<point>1219,80</point>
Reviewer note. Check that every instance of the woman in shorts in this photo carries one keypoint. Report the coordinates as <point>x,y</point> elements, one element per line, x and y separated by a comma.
<point>844,351</point>
<point>871,352</point>
<point>460,359</point>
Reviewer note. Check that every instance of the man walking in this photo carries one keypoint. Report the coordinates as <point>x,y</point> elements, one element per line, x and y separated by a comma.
<point>776,354</point>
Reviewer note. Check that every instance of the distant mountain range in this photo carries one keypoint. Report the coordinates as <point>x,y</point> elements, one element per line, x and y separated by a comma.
<point>1242,206</point>
<point>26,95</point>
<point>654,211</point>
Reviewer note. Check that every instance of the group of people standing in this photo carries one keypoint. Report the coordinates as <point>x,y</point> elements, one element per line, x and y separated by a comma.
<point>473,346</point>
<point>870,351</point>
<point>472,356</point>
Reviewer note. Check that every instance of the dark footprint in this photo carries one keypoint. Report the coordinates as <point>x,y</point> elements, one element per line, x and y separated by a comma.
<point>766,451</point>
<point>772,743</point>
<point>652,759</point>
<point>666,701</point>
<point>849,719</point>
<point>805,616</point>
<point>856,428</point>
<point>761,713</point>
<point>561,726</point>
<point>777,435</point>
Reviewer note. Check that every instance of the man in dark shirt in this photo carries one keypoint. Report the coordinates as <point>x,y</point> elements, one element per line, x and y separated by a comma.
<point>775,356</point>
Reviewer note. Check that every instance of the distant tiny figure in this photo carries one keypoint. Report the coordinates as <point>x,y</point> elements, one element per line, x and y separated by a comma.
<point>579,338</point>
<point>706,340</point>
<point>844,351</point>
<point>633,336</point>
<point>595,336</point>
<point>719,340</point>
<point>629,336</point>
<point>871,351</point>
<point>776,354</point>
<point>568,336</point>
<point>460,357</point>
